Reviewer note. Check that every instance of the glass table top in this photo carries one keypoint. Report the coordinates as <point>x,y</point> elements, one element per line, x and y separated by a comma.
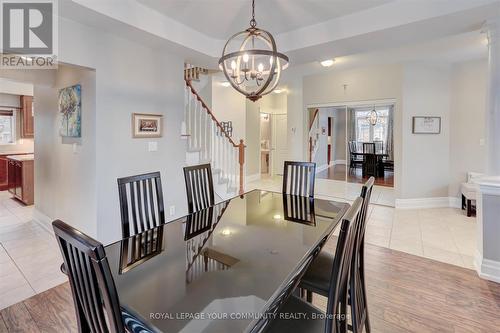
<point>219,269</point>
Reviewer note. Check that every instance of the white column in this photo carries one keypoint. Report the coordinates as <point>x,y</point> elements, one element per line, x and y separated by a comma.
<point>492,30</point>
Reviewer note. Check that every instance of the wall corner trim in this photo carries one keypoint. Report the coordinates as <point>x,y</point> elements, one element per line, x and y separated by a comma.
<point>487,269</point>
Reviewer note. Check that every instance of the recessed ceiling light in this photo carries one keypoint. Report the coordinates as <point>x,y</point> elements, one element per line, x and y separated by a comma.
<point>225,84</point>
<point>327,63</point>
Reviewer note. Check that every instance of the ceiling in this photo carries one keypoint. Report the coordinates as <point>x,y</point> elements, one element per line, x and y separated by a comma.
<point>221,18</point>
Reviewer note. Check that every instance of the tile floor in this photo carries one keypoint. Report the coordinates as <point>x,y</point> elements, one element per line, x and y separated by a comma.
<point>29,255</point>
<point>30,258</point>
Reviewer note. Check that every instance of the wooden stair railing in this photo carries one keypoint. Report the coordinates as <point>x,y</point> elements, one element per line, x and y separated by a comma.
<point>207,135</point>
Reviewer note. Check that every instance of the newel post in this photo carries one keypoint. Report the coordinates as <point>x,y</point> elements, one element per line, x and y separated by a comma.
<point>241,160</point>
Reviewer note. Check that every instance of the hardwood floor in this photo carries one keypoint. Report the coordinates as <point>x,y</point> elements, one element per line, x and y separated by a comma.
<point>405,294</point>
<point>338,172</point>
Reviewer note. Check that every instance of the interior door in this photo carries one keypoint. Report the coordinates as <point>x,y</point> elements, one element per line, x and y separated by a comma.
<point>279,142</point>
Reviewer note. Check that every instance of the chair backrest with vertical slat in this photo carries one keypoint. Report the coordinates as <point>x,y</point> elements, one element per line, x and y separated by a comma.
<point>94,293</point>
<point>199,222</point>
<point>379,146</point>
<point>368,148</point>
<point>141,203</point>
<point>339,280</point>
<point>199,187</point>
<point>298,178</point>
<point>356,282</point>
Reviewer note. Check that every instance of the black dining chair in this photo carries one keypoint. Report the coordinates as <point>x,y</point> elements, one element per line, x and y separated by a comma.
<point>369,159</point>
<point>379,146</point>
<point>354,160</point>
<point>335,318</point>
<point>298,178</point>
<point>94,293</point>
<point>317,279</point>
<point>141,203</point>
<point>199,187</point>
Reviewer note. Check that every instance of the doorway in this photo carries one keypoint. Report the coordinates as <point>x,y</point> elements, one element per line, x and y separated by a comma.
<point>273,143</point>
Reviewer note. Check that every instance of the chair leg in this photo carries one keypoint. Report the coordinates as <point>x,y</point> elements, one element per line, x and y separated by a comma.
<point>463,202</point>
<point>469,208</point>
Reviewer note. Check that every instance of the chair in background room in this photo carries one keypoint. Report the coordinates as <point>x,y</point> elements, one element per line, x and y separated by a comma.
<point>379,147</point>
<point>335,319</point>
<point>369,159</point>
<point>199,187</point>
<point>141,203</point>
<point>94,293</point>
<point>469,192</point>
<point>355,160</point>
<point>317,278</point>
<point>298,178</point>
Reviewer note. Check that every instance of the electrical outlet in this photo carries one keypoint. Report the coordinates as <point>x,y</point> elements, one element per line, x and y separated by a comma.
<point>172,210</point>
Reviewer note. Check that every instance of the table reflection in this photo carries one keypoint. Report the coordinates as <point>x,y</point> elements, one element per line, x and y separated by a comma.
<point>299,209</point>
<point>139,248</point>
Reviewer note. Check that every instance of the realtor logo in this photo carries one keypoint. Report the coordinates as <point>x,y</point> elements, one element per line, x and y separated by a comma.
<point>28,33</point>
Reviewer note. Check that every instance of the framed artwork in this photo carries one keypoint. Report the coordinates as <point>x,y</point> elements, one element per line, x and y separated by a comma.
<point>426,125</point>
<point>228,127</point>
<point>147,125</point>
<point>70,107</point>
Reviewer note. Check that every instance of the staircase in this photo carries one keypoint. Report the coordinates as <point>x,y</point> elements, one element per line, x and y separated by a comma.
<point>208,142</point>
<point>313,135</point>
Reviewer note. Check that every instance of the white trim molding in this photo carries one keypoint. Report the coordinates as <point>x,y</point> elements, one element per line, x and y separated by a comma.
<point>336,162</point>
<point>43,220</point>
<point>487,269</point>
<point>437,202</point>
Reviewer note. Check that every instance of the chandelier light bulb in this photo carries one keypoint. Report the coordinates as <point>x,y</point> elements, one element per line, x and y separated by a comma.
<point>260,68</point>
<point>245,57</point>
<point>233,65</point>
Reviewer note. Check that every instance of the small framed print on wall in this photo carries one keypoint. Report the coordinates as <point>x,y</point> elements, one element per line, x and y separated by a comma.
<point>147,125</point>
<point>426,125</point>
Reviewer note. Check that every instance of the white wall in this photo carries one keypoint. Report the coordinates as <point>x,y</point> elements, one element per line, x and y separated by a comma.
<point>467,121</point>
<point>228,104</point>
<point>426,157</point>
<point>65,168</point>
<point>129,77</point>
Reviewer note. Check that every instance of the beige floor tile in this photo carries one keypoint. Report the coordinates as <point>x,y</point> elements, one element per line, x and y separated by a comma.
<point>377,230</point>
<point>468,262</point>
<point>15,295</point>
<point>380,222</point>
<point>11,281</point>
<point>439,254</point>
<point>377,240</point>
<point>408,245</point>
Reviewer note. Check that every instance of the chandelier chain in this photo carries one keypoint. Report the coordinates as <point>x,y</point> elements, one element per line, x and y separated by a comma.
<point>253,23</point>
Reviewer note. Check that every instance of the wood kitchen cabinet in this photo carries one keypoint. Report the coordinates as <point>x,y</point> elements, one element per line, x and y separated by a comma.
<point>21,177</point>
<point>27,117</point>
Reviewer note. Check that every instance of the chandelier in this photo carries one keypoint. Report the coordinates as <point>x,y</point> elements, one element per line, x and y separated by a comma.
<point>372,117</point>
<point>251,62</point>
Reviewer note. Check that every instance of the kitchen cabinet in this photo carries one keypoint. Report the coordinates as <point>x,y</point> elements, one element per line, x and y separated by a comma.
<point>21,177</point>
<point>27,117</point>
<point>4,169</point>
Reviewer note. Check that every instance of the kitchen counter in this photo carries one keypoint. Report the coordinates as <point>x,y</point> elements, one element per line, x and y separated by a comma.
<point>21,158</point>
<point>15,152</point>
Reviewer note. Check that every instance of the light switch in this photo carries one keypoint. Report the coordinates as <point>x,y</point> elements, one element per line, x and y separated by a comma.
<point>153,146</point>
<point>481,142</point>
<point>172,210</point>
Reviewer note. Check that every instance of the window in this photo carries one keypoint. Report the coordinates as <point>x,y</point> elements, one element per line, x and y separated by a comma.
<point>7,127</point>
<point>368,133</point>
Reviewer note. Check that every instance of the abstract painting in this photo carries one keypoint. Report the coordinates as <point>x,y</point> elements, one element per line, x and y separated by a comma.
<point>70,107</point>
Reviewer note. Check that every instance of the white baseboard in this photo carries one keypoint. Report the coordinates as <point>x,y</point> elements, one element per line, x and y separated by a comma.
<point>339,162</point>
<point>437,202</point>
<point>43,220</point>
<point>487,269</point>
<point>252,178</point>
<point>455,202</point>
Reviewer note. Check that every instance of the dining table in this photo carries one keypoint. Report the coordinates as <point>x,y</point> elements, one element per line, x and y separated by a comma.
<point>379,155</point>
<point>226,268</point>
